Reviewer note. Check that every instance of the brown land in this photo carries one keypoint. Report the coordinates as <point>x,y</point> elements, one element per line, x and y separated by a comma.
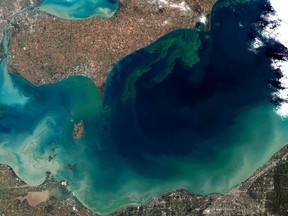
<point>49,49</point>
<point>20,199</point>
<point>78,132</point>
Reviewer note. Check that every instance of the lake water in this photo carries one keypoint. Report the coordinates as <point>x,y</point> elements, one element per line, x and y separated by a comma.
<point>194,110</point>
<point>79,9</point>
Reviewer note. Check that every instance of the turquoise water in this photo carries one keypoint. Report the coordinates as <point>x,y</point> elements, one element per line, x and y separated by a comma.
<point>192,110</point>
<point>79,9</point>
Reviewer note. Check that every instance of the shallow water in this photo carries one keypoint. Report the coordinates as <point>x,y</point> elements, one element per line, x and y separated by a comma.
<point>79,9</point>
<point>192,110</point>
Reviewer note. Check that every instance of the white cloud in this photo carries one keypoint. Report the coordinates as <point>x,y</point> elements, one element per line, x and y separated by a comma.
<point>203,19</point>
<point>280,34</point>
<point>183,6</point>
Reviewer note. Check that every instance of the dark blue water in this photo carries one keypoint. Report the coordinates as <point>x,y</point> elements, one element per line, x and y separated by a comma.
<point>192,110</point>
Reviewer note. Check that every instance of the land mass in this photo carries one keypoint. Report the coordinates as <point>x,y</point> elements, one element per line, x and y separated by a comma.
<point>45,49</point>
